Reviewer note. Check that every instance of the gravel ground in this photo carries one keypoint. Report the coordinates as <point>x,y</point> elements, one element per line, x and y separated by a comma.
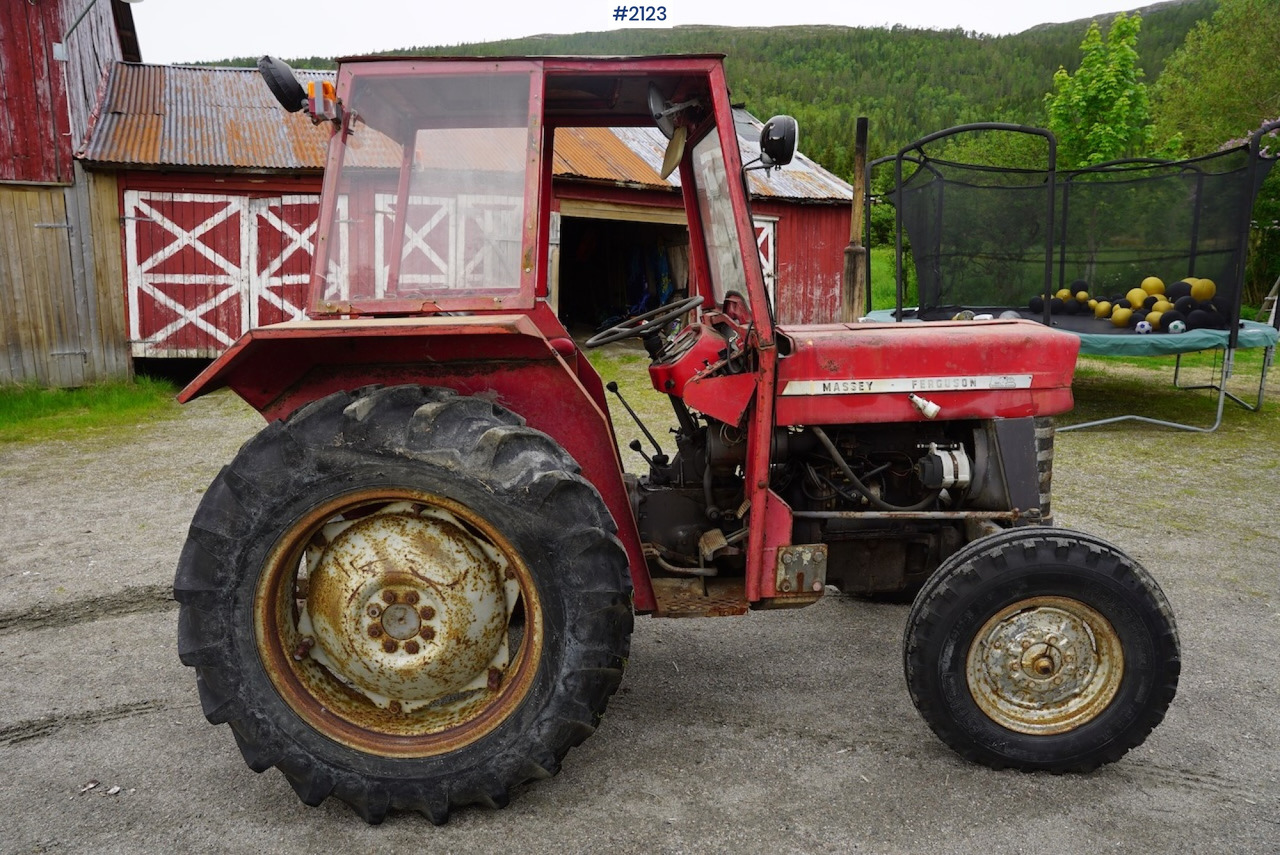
<point>778,732</point>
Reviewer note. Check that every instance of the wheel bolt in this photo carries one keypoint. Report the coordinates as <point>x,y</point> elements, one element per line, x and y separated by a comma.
<point>390,645</point>
<point>389,596</point>
<point>411,597</point>
<point>375,631</point>
<point>427,633</point>
<point>411,647</point>
<point>426,612</point>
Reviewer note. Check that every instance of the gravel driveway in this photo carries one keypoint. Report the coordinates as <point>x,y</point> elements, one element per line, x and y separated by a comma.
<point>777,732</point>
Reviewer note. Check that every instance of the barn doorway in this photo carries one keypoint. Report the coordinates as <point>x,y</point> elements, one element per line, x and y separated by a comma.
<point>612,269</point>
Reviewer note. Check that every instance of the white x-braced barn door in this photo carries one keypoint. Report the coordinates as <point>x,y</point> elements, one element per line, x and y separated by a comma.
<point>764,229</point>
<point>204,268</point>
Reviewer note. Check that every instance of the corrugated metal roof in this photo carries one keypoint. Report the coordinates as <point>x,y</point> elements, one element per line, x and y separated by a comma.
<point>178,116</point>
<point>156,116</point>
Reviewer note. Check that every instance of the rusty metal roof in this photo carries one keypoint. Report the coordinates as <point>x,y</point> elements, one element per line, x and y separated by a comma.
<point>185,117</point>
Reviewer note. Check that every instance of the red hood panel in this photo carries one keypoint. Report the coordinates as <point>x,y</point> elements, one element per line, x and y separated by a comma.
<point>841,373</point>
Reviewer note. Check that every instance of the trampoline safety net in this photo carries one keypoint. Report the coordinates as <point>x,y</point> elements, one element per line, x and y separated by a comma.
<point>989,239</point>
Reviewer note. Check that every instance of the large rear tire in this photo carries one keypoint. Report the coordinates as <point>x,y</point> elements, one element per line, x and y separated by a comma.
<point>405,599</point>
<point>1040,648</point>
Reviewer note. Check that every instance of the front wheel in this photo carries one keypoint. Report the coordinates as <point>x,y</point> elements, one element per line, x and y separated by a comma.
<point>1040,648</point>
<point>404,598</point>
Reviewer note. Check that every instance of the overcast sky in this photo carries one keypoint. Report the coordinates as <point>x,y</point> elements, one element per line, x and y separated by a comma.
<point>174,31</point>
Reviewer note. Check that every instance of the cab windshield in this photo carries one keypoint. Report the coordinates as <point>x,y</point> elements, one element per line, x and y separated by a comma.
<point>431,202</point>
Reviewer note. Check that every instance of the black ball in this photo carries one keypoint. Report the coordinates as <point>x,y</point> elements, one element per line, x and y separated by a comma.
<point>1122,303</point>
<point>1150,301</point>
<point>1071,307</point>
<point>1223,305</point>
<point>1036,304</point>
<point>1185,304</point>
<point>1171,316</point>
<point>1138,315</point>
<point>1056,305</point>
<point>1199,320</point>
<point>1079,285</point>
<point>1177,290</point>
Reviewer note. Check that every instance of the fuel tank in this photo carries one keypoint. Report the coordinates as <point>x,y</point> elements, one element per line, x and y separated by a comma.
<point>858,373</point>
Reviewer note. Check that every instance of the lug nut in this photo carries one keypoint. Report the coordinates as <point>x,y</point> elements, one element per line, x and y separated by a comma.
<point>375,631</point>
<point>411,647</point>
<point>374,611</point>
<point>390,597</point>
<point>411,597</point>
<point>427,633</point>
<point>427,613</point>
<point>390,645</point>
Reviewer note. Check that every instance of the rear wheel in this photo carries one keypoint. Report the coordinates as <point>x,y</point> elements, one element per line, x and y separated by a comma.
<point>405,599</point>
<point>1041,648</point>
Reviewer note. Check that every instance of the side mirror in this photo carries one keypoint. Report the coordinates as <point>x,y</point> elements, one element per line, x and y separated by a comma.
<point>778,141</point>
<point>282,83</point>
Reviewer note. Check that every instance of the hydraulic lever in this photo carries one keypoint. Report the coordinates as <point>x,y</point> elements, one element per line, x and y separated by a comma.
<point>612,386</point>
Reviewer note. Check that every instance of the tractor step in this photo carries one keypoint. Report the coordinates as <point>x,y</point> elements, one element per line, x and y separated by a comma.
<point>699,597</point>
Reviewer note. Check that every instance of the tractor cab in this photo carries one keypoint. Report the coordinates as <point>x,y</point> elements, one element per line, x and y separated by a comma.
<point>437,195</point>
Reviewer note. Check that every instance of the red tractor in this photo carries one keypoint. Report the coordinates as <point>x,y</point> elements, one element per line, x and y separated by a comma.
<point>415,588</point>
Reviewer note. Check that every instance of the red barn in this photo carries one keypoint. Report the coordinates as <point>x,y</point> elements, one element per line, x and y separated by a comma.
<point>219,187</point>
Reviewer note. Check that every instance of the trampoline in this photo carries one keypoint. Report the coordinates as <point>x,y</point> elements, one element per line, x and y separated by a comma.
<point>995,240</point>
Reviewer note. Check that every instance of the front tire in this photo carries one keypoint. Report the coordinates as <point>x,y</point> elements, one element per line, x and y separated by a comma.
<point>405,599</point>
<point>1041,649</point>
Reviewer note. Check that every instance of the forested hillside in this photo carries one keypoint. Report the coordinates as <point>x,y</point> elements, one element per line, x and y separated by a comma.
<point>908,82</point>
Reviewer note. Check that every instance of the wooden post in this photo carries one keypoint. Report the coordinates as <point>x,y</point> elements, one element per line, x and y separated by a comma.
<point>853,303</point>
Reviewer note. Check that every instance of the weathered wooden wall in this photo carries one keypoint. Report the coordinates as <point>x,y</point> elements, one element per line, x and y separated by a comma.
<point>61,282</point>
<point>62,312</point>
<point>810,242</point>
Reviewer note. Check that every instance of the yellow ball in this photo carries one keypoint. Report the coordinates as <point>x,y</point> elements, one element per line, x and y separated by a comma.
<point>1102,309</point>
<point>1153,285</point>
<point>1093,304</point>
<point>1135,297</point>
<point>1063,294</point>
<point>1153,318</point>
<point>1082,296</point>
<point>1120,317</point>
<point>1203,289</point>
<point>1162,306</point>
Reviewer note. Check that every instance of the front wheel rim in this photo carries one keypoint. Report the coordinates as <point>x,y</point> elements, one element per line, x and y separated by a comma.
<point>1045,665</point>
<point>397,622</point>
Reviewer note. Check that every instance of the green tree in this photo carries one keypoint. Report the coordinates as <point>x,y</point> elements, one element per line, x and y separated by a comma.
<point>1102,112</point>
<point>1221,85</point>
<point>1224,81</point>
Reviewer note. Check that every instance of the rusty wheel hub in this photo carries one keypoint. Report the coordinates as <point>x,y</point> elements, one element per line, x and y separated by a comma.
<point>407,605</point>
<point>399,626</point>
<point>1045,665</point>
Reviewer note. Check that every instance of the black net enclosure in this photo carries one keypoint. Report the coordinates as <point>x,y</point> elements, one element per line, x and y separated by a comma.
<point>1070,247</point>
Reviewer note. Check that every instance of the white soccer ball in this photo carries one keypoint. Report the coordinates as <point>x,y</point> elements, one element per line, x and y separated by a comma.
<point>1176,327</point>
<point>1143,327</point>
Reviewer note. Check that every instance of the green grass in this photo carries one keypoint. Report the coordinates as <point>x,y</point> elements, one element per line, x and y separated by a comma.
<point>30,414</point>
<point>884,287</point>
<point>1111,386</point>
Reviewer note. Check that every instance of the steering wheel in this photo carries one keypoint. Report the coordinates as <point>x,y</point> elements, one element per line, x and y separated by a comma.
<point>641,325</point>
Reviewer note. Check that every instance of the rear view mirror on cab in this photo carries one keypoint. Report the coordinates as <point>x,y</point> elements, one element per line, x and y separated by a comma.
<point>283,84</point>
<point>778,140</point>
